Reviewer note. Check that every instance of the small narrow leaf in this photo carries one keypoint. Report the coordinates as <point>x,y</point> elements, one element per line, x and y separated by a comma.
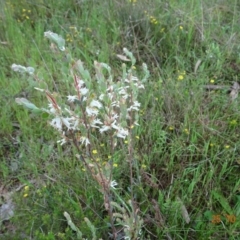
<point>123,58</point>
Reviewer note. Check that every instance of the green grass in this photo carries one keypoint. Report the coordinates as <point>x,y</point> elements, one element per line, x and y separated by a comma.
<point>187,148</point>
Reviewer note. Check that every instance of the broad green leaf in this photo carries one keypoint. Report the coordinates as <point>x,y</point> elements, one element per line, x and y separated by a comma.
<point>208,215</point>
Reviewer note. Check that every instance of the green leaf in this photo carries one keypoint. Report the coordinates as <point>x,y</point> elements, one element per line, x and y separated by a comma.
<point>223,201</point>
<point>56,39</point>
<point>45,115</point>
<point>27,104</point>
<point>237,206</point>
<point>208,215</point>
<point>32,107</point>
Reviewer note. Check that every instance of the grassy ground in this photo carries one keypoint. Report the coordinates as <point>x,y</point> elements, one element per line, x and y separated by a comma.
<point>186,181</point>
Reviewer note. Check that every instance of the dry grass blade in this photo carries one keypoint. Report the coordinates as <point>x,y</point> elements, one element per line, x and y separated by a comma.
<point>234,91</point>
<point>215,87</point>
<point>4,43</point>
<point>123,58</point>
<point>184,211</point>
<point>197,65</point>
<point>158,215</point>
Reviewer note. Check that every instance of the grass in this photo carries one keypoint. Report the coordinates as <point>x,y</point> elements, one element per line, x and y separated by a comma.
<point>186,181</point>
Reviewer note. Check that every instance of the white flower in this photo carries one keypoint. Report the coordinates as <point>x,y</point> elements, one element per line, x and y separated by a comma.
<point>104,128</point>
<point>135,106</point>
<point>75,124</point>
<point>113,184</point>
<point>53,109</point>
<point>113,125</point>
<point>62,141</point>
<point>66,122</point>
<point>115,104</point>
<point>139,85</point>
<point>83,91</point>
<point>95,103</point>
<point>133,78</point>
<point>125,96</point>
<point>115,116</point>
<point>91,111</point>
<point>71,98</point>
<point>122,133</point>
<point>84,140</point>
<point>122,91</point>
<point>80,82</point>
<point>101,96</point>
<point>95,122</point>
<point>56,123</point>
<point>110,89</point>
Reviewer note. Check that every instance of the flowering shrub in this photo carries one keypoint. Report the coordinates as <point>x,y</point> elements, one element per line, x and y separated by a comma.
<point>102,103</point>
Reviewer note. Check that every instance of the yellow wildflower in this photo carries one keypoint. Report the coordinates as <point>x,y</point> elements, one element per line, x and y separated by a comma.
<point>186,131</point>
<point>180,77</point>
<point>233,122</point>
<point>94,151</point>
<point>144,166</point>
